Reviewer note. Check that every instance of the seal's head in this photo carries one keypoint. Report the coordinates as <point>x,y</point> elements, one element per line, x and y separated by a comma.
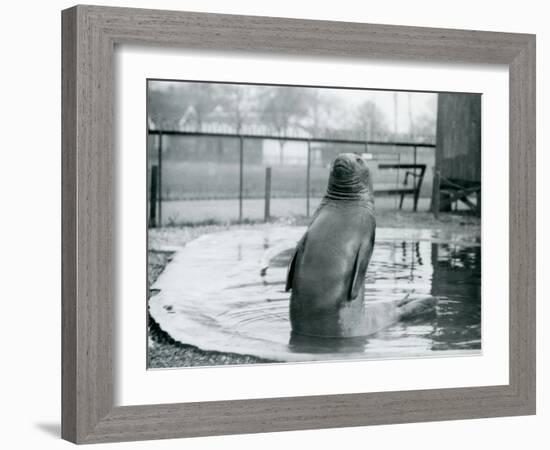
<point>349,178</point>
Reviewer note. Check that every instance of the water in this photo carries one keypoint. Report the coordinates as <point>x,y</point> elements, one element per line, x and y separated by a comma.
<point>225,292</point>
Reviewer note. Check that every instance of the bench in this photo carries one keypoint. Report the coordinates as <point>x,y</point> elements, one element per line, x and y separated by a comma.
<point>415,171</point>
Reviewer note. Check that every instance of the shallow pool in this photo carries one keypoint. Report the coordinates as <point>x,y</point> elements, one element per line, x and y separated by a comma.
<point>225,292</point>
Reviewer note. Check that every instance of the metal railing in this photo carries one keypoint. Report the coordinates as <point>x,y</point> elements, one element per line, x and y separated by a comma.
<point>156,197</point>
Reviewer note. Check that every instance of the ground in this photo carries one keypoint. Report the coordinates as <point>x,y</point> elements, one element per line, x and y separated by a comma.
<point>165,352</point>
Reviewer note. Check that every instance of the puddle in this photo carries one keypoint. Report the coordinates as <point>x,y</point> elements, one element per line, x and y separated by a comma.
<point>225,292</point>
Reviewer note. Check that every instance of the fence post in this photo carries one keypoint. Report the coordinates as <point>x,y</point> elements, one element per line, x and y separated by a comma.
<point>241,161</point>
<point>160,179</point>
<point>267,194</point>
<point>308,174</point>
<point>414,162</point>
<point>153,198</point>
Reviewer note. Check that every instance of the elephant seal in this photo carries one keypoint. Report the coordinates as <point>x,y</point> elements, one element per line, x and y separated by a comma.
<point>327,271</point>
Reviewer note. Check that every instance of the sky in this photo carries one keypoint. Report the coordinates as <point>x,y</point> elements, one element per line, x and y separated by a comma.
<point>420,103</point>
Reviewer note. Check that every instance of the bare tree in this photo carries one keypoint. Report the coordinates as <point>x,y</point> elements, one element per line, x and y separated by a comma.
<point>164,105</point>
<point>282,108</point>
<point>240,103</point>
<point>370,120</point>
<point>323,113</point>
<point>170,104</point>
<point>203,99</point>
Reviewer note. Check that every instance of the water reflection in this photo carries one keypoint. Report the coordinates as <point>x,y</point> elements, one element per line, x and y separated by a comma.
<point>457,281</point>
<point>225,292</point>
<point>311,344</point>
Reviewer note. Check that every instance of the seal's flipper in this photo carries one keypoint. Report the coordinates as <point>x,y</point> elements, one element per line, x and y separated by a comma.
<point>271,252</point>
<point>417,307</point>
<point>290,271</point>
<point>361,263</point>
<point>292,264</point>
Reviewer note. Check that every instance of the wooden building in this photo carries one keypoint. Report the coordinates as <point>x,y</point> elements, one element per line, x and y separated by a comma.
<point>457,176</point>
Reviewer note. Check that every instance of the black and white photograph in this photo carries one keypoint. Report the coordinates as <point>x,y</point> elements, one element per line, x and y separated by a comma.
<point>262,225</point>
<point>295,223</point>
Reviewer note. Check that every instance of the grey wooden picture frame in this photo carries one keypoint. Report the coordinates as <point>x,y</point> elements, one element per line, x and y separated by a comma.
<point>89,37</point>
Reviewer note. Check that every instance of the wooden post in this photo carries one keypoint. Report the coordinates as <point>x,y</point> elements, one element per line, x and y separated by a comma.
<point>241,162</point>
<point>153,198</point>
<point>267,194</point>
<point>308,174</point>
<point>414,181</point>
<point>160,180</point>
<point>419,185</point>
<point>436,194</point>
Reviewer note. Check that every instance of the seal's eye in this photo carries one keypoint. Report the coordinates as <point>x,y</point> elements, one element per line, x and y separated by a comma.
<point>360,160</point>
